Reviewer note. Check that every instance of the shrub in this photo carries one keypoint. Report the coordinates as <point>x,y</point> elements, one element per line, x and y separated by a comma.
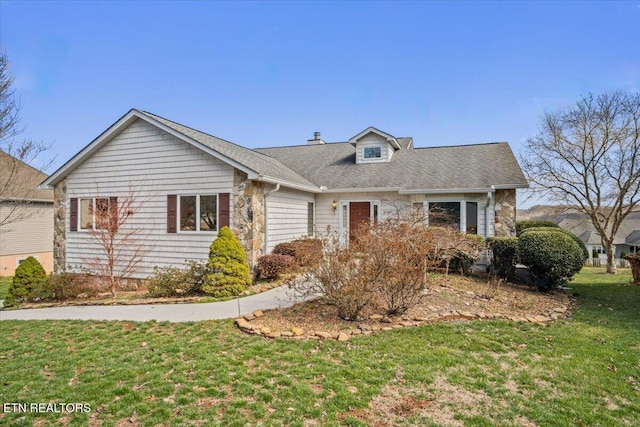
<point>228,269</point>
<point>504,258</point>
<point>64,286</point>
<point>29,283</point>
<point>306,251</point>
<point>463,261</point>
<point>270,267</point>
<point>173,281</point>
<point>524,224</point>
<point>583,247</point>
<point>552,257</point>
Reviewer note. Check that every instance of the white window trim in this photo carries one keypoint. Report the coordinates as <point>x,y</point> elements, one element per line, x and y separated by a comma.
<point>197,230</point>
<point>19,260</point>
<point>93,214</point>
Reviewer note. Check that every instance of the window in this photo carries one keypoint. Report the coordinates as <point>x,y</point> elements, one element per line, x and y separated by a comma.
<point>472,217</point>
<point>94,213</point>
<point>310,209</point>
<point>444,214</point>
<point>634,249</point>
<point>372,152</point>
<point>597,249</point>
<point>198,213</point>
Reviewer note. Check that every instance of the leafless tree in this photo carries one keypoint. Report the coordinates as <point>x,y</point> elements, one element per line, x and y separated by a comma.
<point>18,180</point>
<point>122,246</point>
<point>588,156</point>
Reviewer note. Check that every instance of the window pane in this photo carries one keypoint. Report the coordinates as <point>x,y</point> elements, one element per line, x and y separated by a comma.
<point>372,152</point>
<point>375,214</point>
<point>101,213</point>
<point>472,217</point>
<point>86,214</point>
<point>310,219</point>
<point>188,213</point>
<point>444,214</point>
<point>208,213</point>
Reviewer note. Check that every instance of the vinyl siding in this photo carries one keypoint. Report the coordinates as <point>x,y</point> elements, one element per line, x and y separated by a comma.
<point>392,203</point>
<point>373,140</point>
<point>287,216</point>
<point>149,164</point>
<point>33,234</point>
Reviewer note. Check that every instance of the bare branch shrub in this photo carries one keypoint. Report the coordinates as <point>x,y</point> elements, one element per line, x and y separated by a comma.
<point>122,246</point>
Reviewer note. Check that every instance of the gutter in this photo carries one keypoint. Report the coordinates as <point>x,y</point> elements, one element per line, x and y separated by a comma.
<point>266,218</point>
<point>486,213</point>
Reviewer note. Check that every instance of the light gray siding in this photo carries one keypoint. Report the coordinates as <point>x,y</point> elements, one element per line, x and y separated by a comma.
<point>287,216</point>
<point>147,163</point>
<point>373,140</point>
<point>32,234</point>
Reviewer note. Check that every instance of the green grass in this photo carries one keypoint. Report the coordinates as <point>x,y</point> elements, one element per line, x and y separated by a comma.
<point>4,286</point>
<point>581,371</point>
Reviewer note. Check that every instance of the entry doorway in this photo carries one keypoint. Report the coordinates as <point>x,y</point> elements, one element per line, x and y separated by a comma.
<point>359,214</point>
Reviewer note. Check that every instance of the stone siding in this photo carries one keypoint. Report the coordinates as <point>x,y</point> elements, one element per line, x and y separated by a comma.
<point>505,220</point>
<point>60,227</point>
<point>249,215</point>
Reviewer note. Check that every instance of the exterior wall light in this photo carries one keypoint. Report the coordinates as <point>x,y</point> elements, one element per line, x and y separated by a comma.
<point>334,205</point>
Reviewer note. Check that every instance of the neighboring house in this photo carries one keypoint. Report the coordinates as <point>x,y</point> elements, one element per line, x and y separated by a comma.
<point>27,215</point>
<point>626,241</point>
<point>193,183</point>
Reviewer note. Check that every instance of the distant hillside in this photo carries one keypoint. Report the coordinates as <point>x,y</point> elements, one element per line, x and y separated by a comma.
<point>548,213</point>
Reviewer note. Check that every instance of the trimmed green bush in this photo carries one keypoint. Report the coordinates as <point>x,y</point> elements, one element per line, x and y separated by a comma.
<point>585,252</point>
<point>524,224</point>
<point>270,267</point>
<point>228,269</point>
<point>552,257</point>
<point>505,256</point>
<point>29,283</point>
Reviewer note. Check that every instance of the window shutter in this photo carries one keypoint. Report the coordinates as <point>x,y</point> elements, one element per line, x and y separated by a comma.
<point>224,214</point>
<point>73,215</point>
<point>113,213</point>
<point>172,213</point>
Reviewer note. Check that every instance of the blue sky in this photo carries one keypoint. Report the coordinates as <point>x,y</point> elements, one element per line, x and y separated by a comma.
<point>271,73</point>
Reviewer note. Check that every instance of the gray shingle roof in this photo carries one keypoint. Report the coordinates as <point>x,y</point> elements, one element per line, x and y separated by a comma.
<point>252,159</point>
<point>581,226</point>
<point>438,168</point>
<point>19,181</point>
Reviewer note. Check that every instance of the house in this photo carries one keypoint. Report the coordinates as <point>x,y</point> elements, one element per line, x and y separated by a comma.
<point>194,183</point>
<point>626,240</point>
<point>26,216</point>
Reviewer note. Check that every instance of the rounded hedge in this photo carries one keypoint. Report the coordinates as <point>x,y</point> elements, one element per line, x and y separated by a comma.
<point>29,282</point>
<point>525,224</point>
<point>585,252</point>
<point>228,269</point>
<point>505,256</point>
<point>552,257</point>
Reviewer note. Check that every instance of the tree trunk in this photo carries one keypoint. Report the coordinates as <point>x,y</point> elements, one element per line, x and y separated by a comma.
<point>611,259</point>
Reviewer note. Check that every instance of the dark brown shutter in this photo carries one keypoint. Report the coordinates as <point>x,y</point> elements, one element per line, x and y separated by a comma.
<point>73,215</point>
<point>113,213</point>
<point>224,214</point>
<point>172,213</point>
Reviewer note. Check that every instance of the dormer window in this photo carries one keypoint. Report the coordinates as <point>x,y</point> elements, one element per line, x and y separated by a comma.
<point>372,152</point>
<point>374,146</point>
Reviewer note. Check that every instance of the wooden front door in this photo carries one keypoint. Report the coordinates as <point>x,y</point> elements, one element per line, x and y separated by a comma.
<point>359,213</point>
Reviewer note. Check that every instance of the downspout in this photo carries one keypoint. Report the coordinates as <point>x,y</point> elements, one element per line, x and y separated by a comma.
<point>266,217</point>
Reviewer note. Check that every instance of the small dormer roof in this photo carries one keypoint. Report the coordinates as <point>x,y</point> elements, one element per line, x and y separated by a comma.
<point>390,138</point>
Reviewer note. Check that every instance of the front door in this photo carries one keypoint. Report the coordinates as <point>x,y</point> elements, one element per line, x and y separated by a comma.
<point>359,214</point>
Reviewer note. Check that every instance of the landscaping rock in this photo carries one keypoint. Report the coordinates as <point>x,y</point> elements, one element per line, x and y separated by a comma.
<point>376,317</point>
<point>287,334</point>
<point>258,313</point>
<point>323,334</point>
<point>343,337</point>
<point>297,331</point>
<point>265,330</point>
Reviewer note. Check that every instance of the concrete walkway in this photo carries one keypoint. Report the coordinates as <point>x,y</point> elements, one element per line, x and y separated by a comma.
<point>275,298</point>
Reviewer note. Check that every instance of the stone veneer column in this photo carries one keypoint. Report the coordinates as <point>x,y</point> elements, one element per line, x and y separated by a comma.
<point>505,220</point>
<point>60,226</point>
<point>249,215</point>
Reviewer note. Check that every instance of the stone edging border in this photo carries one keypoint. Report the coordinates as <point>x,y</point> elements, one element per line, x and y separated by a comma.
<point>379,323</point>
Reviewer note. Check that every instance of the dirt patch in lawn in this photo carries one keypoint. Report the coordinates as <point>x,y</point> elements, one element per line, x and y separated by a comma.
<point>449,298</point>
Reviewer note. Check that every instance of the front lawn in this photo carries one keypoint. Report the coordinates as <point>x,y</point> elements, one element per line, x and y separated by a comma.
<point>581,371</point>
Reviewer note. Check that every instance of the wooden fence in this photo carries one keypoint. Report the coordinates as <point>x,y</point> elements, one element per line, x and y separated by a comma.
<point>596,262</point>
